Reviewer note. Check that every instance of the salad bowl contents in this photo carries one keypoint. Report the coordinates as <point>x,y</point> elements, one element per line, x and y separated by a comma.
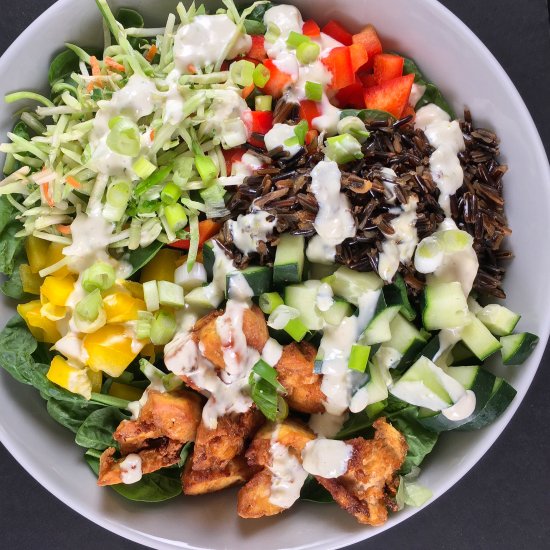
<point>252,250</point>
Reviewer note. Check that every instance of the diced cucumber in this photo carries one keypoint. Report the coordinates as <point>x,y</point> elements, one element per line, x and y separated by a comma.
<point>502,395</point>
<point>444,306</point>
<point>406,339</point>
<point>479,340</point>
<point>201,297</point>
<point>337,312</point>
<point>517,348</point>
<point>288,266</point>
<point>498,319</point>
<point>430,349</point>
<point>170,294</point>
<point>320,271</point>
<point>270,301</point>
<point>374,391</point>
<point>304,298</point>
<point>407,309</point>
<point>257,277</point>
<point>359,357</point>
<point>461,355</point>
<point>350,284</point>
<point>208,258</point>
<point>387,308</point>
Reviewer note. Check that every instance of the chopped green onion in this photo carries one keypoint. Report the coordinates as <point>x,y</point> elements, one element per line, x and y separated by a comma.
<point>295,39</point>
<point>270,301</point>
<point>143,326</point>
<point>194,237</point>
<point>272,34</point>
<point>314,91</point>
<point>110,400</point>
<point>100,276</point>
<point>155,178</point>
<point>343,149</point>
<point>308,52</point>
<point>454,240</point>
<point>170,194</point>
<point>261,75</point>
<point>263,102</point>
<point>300,131</point>
<point>163,328</point>
<point>268,373</point>
<point>206,168</point>
<point>282,409</point>
<point>171,382</point>
<point>151,295</point>
<point>359,357</point>
<point>170,294</point>
<point>296,329</point>
<point>355,126</point>
<point>124,137</point>
<point>264,389</point>
<point>88,308</point>
<point>242,72</point>
<point>143,167</point>
<point>118,195</point>
<point>176,216</point>
<point>292,141</point>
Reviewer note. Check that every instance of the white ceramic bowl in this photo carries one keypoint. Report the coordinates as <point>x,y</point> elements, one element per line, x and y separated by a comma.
<point>469,75</point>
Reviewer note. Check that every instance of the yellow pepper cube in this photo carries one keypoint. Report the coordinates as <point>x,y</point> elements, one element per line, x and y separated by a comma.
<point>55,254</point>
<point>53,312</point>
<point>120,307</point>
<point>43,329</point>
<point>162,268</point>
<point>57,290</point>
<point>96,379</point>
<point>123,391</point>
<point>30,281</point>
<point>72,378</point>
<point>135,289</point>
<point>111,349</point>
<point>37,253</point>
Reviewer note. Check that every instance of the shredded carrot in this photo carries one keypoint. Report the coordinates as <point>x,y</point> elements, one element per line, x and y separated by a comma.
<point>47,194</point>
<point>64,229</point>
<point>152,135</point>
<point>110,62</point>
<point>73,182</point>
<point>311,135</point>
<point>96,69</point>
<point>150,55</point>
<point>192,69</point>
<point>247,91</point>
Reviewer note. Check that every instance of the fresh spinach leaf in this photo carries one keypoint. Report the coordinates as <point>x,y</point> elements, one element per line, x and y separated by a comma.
<point>11,247</point>
<point>156,487</point>
<point>96,432</point>
<point>142,256</point>
<point>368,115</point>
<point>62,66</point>
<point>254,27</point>
<point>130,18</point>
<point>71,415</point>
<point>432,94</point>
<point>254,22</point>
<point>21,130</point>
<point>13,286</point>
<point>185,453</point>
<point>313,491</point>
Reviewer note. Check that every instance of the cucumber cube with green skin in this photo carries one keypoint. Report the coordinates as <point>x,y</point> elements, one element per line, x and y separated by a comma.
<point>479,340</point>
<point>304,298</point>
<point>208,259</point>
<point>258,279</point>
<point>444,306</point>
<point>406,339</point>
<point>388,306</point>
<point>350,284</point>
<point>407,309</point>
<point>516,348</point>
<point>462,355</point>
<point>337,312</point>
<point>498,319</point>
<point>288,266</point>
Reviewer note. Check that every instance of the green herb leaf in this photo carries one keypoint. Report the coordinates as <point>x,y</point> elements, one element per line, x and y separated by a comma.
<point>313,491</point>
<point>11,247</point>
<point>185,453</point>
<point>367,115</point>
<point>268,373</point>
<point>142,256</point>
<point>96,432</point>
<point>130,18</point>
<point>71,415</point>
<point>62,66</point>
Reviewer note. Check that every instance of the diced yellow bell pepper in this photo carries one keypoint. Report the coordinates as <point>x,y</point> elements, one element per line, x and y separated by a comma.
<point>68,376</point>
<point>40,327</point>
<point>135,289</point>
<point>111,349</point>
<point>150,352</point>
<point>53,312</point>
<point>37,253</point>
<point>55,254</point>
<point>30,281</point>
<point>120,307</point>
<point>123,391</point>
<point>57,290</point>
<point>162,268</point>
<point>96,379</point>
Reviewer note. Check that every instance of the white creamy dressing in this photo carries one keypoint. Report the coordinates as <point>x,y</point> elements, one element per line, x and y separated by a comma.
<point>287,475</point>
<point>278,135</point>
<point>400,246</point>
<point>130,469</point>
<point>223,265</point>
<point>327,458</point>
<point>272,352</point>
<point>173,100</point>
<point>249,230</point>
<point>190,279</point>
<point>463,408</point>
<point>334,222</point>
<point>137,99</point>
<point>417,91</point>
<point>239,289</point>
<point>326,424</point>
<point>280,317</point>
<point>325,297</point>
<point>446,136</point>
<point>72,347</point>
<point>202,41</point>
<point>225,118</point>
<point>388,177</point>
<point>240,170</point>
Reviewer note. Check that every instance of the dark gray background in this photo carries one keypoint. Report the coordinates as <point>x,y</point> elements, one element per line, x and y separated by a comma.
<point>504,502</point>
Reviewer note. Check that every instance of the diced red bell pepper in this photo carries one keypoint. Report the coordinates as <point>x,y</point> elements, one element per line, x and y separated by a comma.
<point>359,57</point>
<point>311,135</point>
<point>257,122</point>
<point>308,111</point>
<point>408,110</point>
<point>338,62</point>
<point>369,38</point>
<point>278,80</point>
<point>387,66</point>
<point>391,96</point>
<point>337,31</point>
<point>207,230</point>
<point>368,80</point>
<point>311,28</point>
<point>257,51</point>
<point>352,96</point>
<point>231,156</point>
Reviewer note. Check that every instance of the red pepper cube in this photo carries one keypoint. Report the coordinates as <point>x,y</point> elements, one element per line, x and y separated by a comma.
<point>371,41</point>
<point>391,96</point>
<point>338,62</point>
<point>278,81</point>
<point>387,66</point>
<point>337,31</point>
<point>311,29</point>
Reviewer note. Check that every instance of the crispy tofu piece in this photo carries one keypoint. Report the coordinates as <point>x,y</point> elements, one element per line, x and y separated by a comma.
<point>253,499</point>
<point>152,459</point>
<point>215,448</point>
<point>295,373</point>
<point>206,335</point>
<point>200,482</point>
<point>364,489</point>
<point>174,415</point>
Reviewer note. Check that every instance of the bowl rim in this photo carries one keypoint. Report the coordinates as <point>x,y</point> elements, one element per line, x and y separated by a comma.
<point>147,539</point>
